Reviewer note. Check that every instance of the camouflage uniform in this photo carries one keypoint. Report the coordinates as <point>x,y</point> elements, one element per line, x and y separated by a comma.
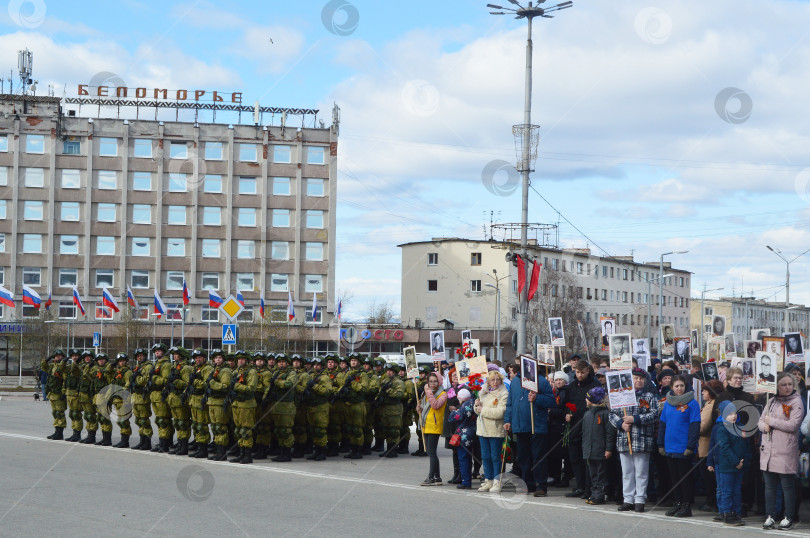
<point>102,397</point>
<point>121,379</point>
<point>353,395</point>
<point>196,403</point>
<point>73,376</point>
<point>282,407</point>
<point>243,407</point>
<point>54,388</point>
<point>175,393</point>
<point>408,404</point>
<point>392,392</point>
<point>371,407</point>
<point>140,399</point>
<point>159,379</point>
<point>300,422</point>
<point>316,398</point>
<point>219,382</point>
<point>264,424</point>
<point>86,398</point>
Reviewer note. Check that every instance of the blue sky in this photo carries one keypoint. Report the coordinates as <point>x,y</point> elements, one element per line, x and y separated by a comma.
<point>642,147</point>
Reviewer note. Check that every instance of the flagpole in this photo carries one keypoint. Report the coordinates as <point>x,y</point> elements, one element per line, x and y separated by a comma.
<point>22,330</point>
<point>183,328</point>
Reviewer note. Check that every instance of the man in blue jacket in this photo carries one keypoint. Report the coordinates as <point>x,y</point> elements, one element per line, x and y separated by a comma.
<point>531,448</point>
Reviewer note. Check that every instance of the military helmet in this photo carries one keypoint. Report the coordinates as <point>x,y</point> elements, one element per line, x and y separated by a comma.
<point>258,355</point>
<point>75,351</point>
<point>57,351</point>
<point>343,359</point>
<point>297,357</point>
<point>424,369</point>
<point>161,346</point>
<point>282,357</point>
<point>122,356</point>
<point>87,353</point>
<point>216,351</point>
<point>331,355</point>
<point>353,355</point>
<point>139,351</point>
<point>241,353</point>
<point>198,352</point>
<point>366,360</point>
<point>102,355</point>
<point>317,360</point>
<point>379,362</point>
<point>392,366</point>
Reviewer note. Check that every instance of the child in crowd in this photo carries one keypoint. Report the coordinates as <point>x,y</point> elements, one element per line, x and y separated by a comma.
<point>598,442</point>
<point>463,421</point>
<point>729,457</point>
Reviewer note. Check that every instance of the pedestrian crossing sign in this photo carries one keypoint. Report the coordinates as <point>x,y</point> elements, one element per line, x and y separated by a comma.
<point>229,334</point>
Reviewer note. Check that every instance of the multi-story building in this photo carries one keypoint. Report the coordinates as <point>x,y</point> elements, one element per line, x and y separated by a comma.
<point>456,279</point>
<point>117,203</point>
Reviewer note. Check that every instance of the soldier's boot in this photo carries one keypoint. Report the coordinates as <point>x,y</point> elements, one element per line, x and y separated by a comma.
<point>182,447</point>
<point>77,435</point>
<point>308,449</point>
<point>201,452</point>
<point>90,439</point>
<point>234,450</point>
<point>274,448</point>
<point>57,434</point>
<point>193,446</point>
<point>344,447</point>
<point>140,442</point>
<point>314,454</point>
<point>106,439</point>
<point>379,445</point>
<point>298,451</point>
<point>174,447</point>
<point>403,447</point>
<point>392,451</point>
<point>331,449</point>
<point>221,454</point>
<point>162,446</point>
<point>366,449</point>
<point>246,457</point>
<point>239,456</point>
<point>212,446</point>
<point>320,453</point>
<point>354,453</point>
<point>284,455</point>
<point>147,443</point>
<point>261,453</point>
<point>51,436</point>
<point>124,442</point>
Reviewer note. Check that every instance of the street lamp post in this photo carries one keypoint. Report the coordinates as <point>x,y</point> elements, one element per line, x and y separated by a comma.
<point>787,270</point>
<point>700,334</point>
<point>526,134</point>
<point>649,305</point>
<point>661,294</point>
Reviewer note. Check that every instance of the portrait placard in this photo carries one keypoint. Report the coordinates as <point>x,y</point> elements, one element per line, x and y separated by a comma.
<point>775,345</point>
<point>682,350</point>
<point>794,350</point>
<point>641,353</point>
<point>718,326</point>
<point>759,334</point>
<point>437,344</point>
<point>765,372</point>
<point>709,371</point>
<point>608,326</point>
<point>528,373</point>
<point>751,348</point>
<point>620,389</point>
<point>411,367</point>
<point>555,329</point>
<point>620,356</point>
<point>748,369</point>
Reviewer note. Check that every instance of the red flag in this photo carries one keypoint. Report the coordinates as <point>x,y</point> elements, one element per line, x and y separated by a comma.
<point>521,267</point>
<point>535,278</point>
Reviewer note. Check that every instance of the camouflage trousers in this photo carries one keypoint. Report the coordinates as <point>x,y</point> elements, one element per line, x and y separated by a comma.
<point>199,420</point>
<point>89,409</point>
<point>75,412</point>
<point>355,414</point>
<point>337,413</point>
<point>244,419</point>
<point>181,421</point>
<point>391,422</point>
<point>163,416</point>
<point>300,425</point>
<point>58,407</point>
<point>219,423</point>
<point>318,420</point>
<point>142,411</point>
<point>284,420</point>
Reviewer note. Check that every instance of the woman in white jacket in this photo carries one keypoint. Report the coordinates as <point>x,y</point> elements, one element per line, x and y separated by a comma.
<point>490,408</point>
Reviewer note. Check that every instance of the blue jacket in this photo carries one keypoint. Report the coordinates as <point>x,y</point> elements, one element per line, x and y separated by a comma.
<point>727,449</point>
<point>518,413</point>
<point>463,421</point>
<point>679,428</point>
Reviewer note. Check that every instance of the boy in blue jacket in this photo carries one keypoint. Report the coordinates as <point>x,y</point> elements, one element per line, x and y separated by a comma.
<point>729,457</point>
<point>463,421</point>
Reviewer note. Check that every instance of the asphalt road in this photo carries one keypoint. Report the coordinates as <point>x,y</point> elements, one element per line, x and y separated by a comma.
<point>54,488</point>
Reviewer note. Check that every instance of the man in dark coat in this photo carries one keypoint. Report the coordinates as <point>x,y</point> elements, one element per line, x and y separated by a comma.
<point>574,402</point>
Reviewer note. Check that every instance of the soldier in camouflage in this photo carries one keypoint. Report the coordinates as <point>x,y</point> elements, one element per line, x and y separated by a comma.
<point>263,429</point>
<point>392,393</point>
<point>199,411</point>
<point>100,375</point>
<point>86,398</point>
<point>141,407</point>
<point>243,406</point>
<point>158,381</point>
<point>281,395</point>
<point>218,385</point>
<point>316,399</point>
<point>54,393</point>
<point>334,428</point>
<point>73,375</point>
<point>121,379</point>
<point>408,404</point>
<point>353,395</point>
<point>371,408</point>
<point>300,423</point>
<point>175,392</point>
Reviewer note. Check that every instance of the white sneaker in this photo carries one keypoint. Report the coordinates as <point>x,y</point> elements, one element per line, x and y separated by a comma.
<point>496,487</point>
<point>485,486</point>
<point>785,524</point>
<point>769,523</point>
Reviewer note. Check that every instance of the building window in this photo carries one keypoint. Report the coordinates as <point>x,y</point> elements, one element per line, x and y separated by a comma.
<point>475,285</point>
<point>210,314</point>
<point>32,210</point>
<point>104,278</point>
<point>139,279</point>
<point>282,154</point>
<point>210,248</point>
<point>4,175</point>
<point>318,317</point>
<point>71,147</point>
<point>247,216</point>
<point>281,218</point>
<point>142,148</point>
<point>210,281</point>
<point>315,187</point>
<point>105,213</point>
<point>316,155</point>
<point>579,268</point>
<point>175,247</point>
<point>35,144</point>
<point>213,151</point>
<point>176,215</point>
<point>105,245</point>
<point>313,251</point>
<point>281,186</point>
<point>67,310</point>
<point>313,283</point>
<point>624,274</point>
<point>554,263</point>
<point>142,181</point>
<point>2,242</point>
<point>279,282</point>
<point>475,258</point>
<point>280,250</point>
<point>69,244</point>
<point>212,183</point>
<point>32,244</point>
<point>431,313</point>
<point>107,180</point>
<point>31,276</point>
<point>2,209</point>
<point>247,153</point>
<point>314,219</point>
<point>244,281</point>
<point>34,177</point>
<point>212,216</point>
<point>4,143</point>
<point>433,258</point>
<point>178,182</point>
<point>141,214</point>
<point>174,280</point>
<point>108,147</point>
<point>69,212</point>
<point>178,150</point>
<point>433,285</point>
<point>247,185</point>
<point>140,246</point>
<point>68,277</point>
<point>246,249</point>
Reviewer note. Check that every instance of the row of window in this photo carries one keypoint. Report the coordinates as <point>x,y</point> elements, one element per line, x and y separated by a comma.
<point>433,258</point>
<point>175,214</point>
<point>173,247</point>
<point>70,178</point>
<point>145,148</point>
<point>140,279</point>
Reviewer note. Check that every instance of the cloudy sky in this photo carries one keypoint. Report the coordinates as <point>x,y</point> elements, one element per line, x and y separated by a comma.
<point>664,125</point>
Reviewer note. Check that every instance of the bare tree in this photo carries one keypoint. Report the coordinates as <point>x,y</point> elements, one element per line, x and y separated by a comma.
<point>558,296</point>
<point>380,313</point>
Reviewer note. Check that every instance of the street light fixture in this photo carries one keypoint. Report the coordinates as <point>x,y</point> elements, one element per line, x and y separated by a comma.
<point>787,270</point>
<point>649,304</point>
<point>661,294</point>
<point>527,136</point>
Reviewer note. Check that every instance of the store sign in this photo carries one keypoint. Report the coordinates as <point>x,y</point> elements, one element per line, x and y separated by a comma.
<point>372,334</point>
<point>158,93</point>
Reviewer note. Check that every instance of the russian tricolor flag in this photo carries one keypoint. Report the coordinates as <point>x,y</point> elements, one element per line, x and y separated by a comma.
<point>78,300</point>
<point>339,308</point>
<point>131,300</point>
<point>290,309</point>
<point>160,306</point>
<point>31,297</point>
<point>186,297</point>
<point>214,300</point>
<point>6,297</point>
<point>239,298</point>
<point>108,300</point>
<point>261,305</point>
<point>48,302</point>
<point>314,306</point>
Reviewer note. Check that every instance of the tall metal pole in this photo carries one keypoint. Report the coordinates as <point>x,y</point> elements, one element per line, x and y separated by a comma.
<point>498,342</point>
<point>649,313</point>
<point>661,306</point>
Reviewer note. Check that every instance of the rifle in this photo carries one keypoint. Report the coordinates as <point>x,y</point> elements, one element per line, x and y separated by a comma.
<point>187,392</point>
<point>169,383</point>
<point>151,383</point>
<point>269,396</point>
<point>231,393</point>
<point>344,390</point>
<point>207,389</point>
<point>308,389</point>
<point>378,401</point>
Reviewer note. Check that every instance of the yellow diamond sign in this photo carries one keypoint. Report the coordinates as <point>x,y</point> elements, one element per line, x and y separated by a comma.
<point>231,308</point>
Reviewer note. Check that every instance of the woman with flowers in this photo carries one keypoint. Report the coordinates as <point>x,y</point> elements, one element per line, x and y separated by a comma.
<point>431,417</point>
<point>490,406</point>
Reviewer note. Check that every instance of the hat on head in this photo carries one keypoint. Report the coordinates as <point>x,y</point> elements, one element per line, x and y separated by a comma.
<point>560,375</point>
<point>596,395</point>
<point>463,395</point>
<point>666,372</point>
<point>602,371</point>
<point>574,357</point>
<point>788,368</point>
<point>723,405</point>
<point>639,372</point>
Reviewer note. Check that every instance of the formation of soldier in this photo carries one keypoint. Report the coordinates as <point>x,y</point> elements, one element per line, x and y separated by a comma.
<point>244,405</point>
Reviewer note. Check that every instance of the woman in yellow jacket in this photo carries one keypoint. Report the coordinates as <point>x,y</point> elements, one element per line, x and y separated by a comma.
<point>431,412</point>
<point>490,408</point>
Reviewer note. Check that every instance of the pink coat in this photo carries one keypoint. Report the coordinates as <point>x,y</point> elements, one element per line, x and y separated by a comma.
<point>779,452</point>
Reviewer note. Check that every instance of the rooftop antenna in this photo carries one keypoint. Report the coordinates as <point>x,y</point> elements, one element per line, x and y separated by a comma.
<point>256,112</point>
<point>25,66</point>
